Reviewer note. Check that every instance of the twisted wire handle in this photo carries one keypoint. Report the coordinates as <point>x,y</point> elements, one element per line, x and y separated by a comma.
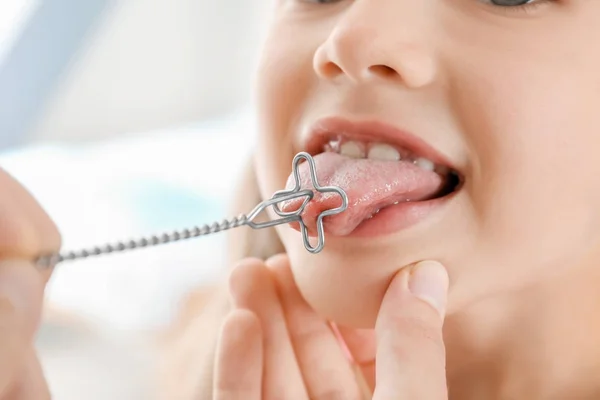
<point>153,240</point>
<point>285,217</point>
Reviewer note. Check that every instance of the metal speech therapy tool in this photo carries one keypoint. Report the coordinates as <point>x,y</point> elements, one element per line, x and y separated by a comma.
<point>48,261</point>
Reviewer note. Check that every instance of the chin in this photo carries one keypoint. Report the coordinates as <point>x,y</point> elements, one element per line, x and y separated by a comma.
<point>343,285</point>
<point>339,298</point>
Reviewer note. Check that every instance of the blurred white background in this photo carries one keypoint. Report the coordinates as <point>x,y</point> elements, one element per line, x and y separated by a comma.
<point>125,118</point>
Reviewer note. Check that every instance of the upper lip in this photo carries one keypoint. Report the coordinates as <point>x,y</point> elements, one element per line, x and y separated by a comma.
<point>326,129</point>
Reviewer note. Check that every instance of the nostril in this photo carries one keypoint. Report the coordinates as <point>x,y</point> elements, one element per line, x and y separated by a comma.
<point>331,70</point>
<point>383,71</point>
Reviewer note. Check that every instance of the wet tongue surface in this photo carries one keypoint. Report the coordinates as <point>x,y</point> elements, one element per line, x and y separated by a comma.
<point>370,186</point>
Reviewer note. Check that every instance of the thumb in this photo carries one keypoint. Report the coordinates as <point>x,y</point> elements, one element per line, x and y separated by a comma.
<point>410,358</point>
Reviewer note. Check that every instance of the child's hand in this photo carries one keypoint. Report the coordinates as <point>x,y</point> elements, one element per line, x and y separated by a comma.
<point>25,232</point>
<point>272,348</point>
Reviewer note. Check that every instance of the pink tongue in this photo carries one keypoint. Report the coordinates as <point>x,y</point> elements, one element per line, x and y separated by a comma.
<point>370,185</point>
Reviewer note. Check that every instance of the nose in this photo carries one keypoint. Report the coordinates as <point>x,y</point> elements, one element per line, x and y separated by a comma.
<point>379,39</point>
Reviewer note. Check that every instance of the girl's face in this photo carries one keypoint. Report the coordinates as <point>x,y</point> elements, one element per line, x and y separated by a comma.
<point>501,94</point>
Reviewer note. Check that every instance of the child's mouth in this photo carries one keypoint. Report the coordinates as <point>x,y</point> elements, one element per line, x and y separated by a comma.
<point>392,180</point>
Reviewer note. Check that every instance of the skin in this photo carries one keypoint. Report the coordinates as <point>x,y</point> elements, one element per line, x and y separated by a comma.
<point>25,232</point>
<point>510,97</point>
<point>273,345</point>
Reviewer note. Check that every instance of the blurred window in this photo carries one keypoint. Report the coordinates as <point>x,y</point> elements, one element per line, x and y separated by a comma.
<point>13,17</point>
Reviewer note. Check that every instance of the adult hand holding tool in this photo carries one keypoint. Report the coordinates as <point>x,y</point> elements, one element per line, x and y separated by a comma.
<point>25,231</point>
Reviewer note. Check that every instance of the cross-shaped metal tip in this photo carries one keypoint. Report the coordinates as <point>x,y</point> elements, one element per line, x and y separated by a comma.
<point>297,192</point>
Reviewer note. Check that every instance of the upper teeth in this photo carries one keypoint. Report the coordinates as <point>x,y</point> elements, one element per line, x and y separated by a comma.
<point>425,163</point>
<point>352,149</point>
<point>382,152</point>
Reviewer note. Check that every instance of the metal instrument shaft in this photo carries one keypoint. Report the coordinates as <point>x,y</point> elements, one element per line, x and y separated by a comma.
<point>249,220</point>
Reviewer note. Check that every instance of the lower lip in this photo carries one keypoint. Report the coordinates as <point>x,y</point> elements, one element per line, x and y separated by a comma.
<point>398,217</point>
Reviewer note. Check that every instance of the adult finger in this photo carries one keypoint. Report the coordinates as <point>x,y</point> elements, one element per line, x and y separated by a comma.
<point>253,288</point>
<point>239,358</point>
<point>361,346</point>
<point>31,384</point>
<point>410,354</point>
<point>326,370</point>
<point>26,230</point>
<point>21,296</point>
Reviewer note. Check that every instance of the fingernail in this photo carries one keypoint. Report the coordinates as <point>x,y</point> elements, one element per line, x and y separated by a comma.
<point>429,282</point>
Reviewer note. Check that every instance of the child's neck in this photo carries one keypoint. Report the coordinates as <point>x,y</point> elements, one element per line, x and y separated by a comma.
<point>542,343</point>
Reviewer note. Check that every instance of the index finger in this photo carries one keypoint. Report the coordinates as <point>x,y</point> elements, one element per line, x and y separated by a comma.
<point>411,359</point>
<point>21,297</point>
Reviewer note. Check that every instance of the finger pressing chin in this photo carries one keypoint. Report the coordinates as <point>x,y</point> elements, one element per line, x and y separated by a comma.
<point>327,372</point>
<point>239,358</point>
<point>410,350</point>
<point>252,287</point>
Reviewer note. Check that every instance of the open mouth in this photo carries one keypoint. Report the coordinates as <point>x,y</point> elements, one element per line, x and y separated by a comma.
<point>384,152</point>
<point>381,168</point>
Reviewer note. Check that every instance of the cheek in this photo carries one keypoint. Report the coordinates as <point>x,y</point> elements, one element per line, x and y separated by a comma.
<point>533,187</point>
<point>532,199</point>
<point>284,81</point>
